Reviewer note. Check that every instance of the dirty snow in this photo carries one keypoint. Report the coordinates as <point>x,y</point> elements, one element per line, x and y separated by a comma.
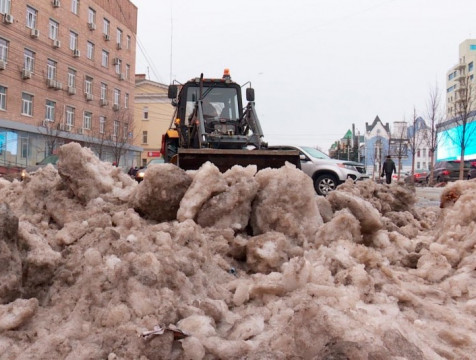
<point>244,265</point>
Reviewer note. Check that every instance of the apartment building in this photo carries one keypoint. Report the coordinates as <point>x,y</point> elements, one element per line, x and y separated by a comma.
<point>460,76</point>
<point>153,116</point>
<point>66,74</point>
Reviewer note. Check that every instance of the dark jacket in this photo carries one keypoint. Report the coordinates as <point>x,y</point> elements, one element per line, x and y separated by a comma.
<point>388,167</point>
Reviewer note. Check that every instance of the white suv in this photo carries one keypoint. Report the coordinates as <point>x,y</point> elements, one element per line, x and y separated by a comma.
<point>325,172</point>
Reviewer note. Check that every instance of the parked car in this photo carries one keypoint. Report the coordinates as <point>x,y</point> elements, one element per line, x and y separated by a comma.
<point>403,175</point>
<point>52,159</point>
<point>419,177</point>
<point>139,174</point>
<point>448,170</point>
<point>325,172</point>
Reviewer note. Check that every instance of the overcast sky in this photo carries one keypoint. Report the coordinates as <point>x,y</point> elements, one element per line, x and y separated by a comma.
<point>317,66</point>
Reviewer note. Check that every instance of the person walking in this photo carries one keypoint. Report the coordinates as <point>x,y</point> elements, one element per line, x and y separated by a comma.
<point>388,168</point>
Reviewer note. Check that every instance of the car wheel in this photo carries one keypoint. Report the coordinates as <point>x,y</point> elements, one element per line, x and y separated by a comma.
<point>325,184</point>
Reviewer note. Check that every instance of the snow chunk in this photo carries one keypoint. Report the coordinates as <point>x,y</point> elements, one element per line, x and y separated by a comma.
<point>158,196</point>
<point>368,216</point>
<point>15,314</point>
<point>284,203</point>
<point>207,182</point>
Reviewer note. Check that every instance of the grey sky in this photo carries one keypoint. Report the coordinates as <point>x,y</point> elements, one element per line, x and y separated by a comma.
<point>316,66</point>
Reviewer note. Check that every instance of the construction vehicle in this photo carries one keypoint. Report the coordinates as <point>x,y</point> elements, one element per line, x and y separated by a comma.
<point>211,124</point>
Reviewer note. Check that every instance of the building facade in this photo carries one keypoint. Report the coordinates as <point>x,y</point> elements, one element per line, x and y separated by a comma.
<point>66,74</point>
<point>377,137</point>
<point>459,127</point>
<point>460,76</point>
<point>153,113</point>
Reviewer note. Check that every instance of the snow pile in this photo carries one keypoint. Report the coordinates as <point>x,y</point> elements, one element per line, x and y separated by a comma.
<point>244,264</point>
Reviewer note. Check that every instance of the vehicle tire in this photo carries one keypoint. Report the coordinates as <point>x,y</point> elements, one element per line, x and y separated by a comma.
<point>325,184</point>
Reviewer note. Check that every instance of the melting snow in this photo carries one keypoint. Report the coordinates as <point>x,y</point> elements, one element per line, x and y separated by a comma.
<point>241,265</point>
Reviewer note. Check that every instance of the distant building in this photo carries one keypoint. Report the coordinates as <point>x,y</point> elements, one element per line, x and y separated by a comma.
<point>349,147</point>
<point>458,76</point>
<point>153,115</point>
<point>422,148</point>
<point>377,138</point>
<point>66,74</point>
<point>460,104</point>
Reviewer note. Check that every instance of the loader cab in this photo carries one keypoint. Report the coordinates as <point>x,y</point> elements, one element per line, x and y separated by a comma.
<point>218,102</point>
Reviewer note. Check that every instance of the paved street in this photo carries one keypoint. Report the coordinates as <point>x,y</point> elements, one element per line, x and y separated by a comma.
<point>428,196</point>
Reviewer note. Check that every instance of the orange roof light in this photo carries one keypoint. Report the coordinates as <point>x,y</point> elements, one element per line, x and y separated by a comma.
<point>226,73</point>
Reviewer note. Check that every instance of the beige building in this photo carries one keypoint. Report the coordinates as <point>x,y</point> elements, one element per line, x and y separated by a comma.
<point>459,76</point>
<point>66,74</point>
<point>152,116</point>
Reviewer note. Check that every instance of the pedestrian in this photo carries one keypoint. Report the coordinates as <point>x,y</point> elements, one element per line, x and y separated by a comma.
<point>388,168</point>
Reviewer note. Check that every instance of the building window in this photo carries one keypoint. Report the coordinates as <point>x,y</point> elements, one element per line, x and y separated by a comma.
<point>115,130</point>
<point>102,124</point>
<point>29,60</point>
<point>74,6</point>
<point>118,65</point>
<point>27,104</point>
<point>5,6</point>
<point>73,40</point>
<point>117,96</point>
<point>146,113</point>
<point>470,66</point>
<point>53,29</point>
<point>71,78</point>
<point>3,98</point>
<point>119,36</point>
<point>103,91</point>
<point>105,28</point>
<point>50,110</point>
<point>31,15</point>
<point>418,153</point>
<point>126,100</point>
<point>424,165</point>
<point>144,137</point>
<point>424,154</point>
<point>3,49</point>
<point>51,69</point>
<point>88,85</point>
<point>69,116</point>
<point>90,50</point>
<point>128,42</point>
<point>125,131</point>
<point>87,120</point>
<point>24,147</point>
<point>105,58</point>
<point>418,165</point>
<point>128,70</point>
<point>91,16</point>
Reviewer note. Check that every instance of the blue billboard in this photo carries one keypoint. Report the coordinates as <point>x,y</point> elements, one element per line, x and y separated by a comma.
<point>449,143</point>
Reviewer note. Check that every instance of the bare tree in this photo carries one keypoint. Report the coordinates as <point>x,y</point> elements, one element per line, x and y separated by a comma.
<point>121,134</point>
<point>463,115</point>
<point>53,133</point>
<point>435,118</point>
<point>416,140</point>
<point>398,144</point>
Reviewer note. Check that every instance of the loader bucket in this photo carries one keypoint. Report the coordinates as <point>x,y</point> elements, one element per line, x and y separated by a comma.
<point>224,159</point>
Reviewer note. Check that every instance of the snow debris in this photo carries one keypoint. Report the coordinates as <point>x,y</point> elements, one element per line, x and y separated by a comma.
<point>244,264</point>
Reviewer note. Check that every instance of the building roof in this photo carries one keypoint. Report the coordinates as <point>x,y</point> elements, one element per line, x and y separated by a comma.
<point>368,128</point>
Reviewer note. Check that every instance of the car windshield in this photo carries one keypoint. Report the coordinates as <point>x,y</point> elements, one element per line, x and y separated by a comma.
<point>52,159</point>
<point>156,161</point>
<point>454,165</point>
<point>221,100</point>
<point>315,153</point>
